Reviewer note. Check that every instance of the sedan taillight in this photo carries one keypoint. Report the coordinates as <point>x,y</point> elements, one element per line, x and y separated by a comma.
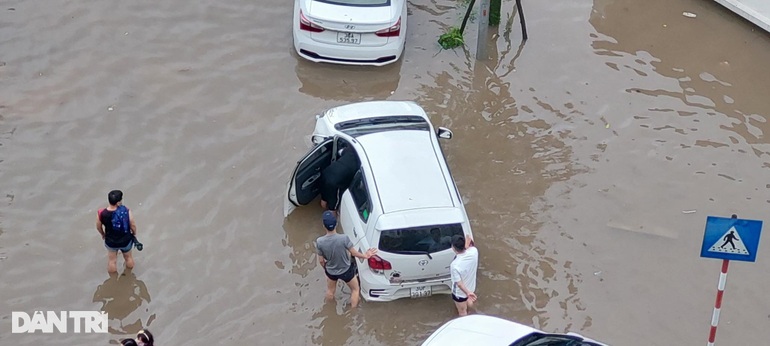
<point>392,31</point>
<point>307,25</point>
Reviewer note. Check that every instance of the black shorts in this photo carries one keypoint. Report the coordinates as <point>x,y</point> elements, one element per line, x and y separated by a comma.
<point>346,276</point>
<point>458,299</point>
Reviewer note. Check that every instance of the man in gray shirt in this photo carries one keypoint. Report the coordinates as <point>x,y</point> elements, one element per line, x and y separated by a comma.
<point>334,251</point>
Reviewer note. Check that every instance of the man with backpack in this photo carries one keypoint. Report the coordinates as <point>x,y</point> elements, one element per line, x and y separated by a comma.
<point>118,231</point>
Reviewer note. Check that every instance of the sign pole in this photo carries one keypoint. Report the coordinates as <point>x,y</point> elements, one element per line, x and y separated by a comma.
<point>743,237</point>
<point>720,294</point>
<point>718,304</point>
<point>481,43</point>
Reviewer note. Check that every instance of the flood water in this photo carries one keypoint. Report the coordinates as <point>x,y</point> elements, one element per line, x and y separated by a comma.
<point>581,156</point>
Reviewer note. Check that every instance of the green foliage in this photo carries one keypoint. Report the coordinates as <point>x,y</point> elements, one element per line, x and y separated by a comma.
<point>451,39</point>
<point>494,12</point>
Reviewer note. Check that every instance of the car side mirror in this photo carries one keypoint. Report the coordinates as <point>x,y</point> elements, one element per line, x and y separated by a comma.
<point>444,133</point>
<point>317,139</point>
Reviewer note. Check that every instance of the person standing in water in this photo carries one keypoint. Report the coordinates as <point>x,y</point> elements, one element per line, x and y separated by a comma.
<point>463,273</point>
<point>334,253</point>
<point>117,228</point>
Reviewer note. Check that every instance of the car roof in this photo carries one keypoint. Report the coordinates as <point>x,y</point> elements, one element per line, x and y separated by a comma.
<point>478,330</point>
<point>406,170</point>
<point>371,109</point>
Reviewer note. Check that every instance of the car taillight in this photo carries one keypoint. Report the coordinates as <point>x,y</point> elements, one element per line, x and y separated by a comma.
<point>307,25</point>
<point>379,265</point>
<point>394,30</point>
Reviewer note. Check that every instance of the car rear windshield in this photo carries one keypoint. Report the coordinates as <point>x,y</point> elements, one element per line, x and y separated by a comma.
<point>361,3</point>
<point>359,127</point>
<point>418,240</point>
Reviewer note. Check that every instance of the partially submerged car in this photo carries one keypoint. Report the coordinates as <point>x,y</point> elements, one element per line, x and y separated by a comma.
<point>402,199</point>
<point>350,32</point>
<point>493,331</point>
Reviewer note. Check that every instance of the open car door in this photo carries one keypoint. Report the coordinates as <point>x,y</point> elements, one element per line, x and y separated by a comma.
<point>305,182</point>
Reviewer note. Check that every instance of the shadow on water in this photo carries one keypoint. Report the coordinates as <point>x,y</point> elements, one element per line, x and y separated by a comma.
<point>121,296</point>
<point>347,83</point>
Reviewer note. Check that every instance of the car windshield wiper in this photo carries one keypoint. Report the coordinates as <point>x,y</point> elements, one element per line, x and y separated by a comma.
<point>408,252</point>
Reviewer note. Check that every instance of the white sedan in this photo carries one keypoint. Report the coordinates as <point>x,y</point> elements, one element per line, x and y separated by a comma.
<point>351,32</point>
<point>493,331</point>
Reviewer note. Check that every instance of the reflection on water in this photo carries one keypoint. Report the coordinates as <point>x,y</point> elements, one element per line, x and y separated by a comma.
<point>504,158</point>
<point>347,83</point>
<point>712,64</point>
<point>333,327</point>
<point>303,227</point>
<point>121,296</point>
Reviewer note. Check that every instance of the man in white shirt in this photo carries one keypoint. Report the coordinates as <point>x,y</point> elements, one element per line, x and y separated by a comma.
<point>463,271</point>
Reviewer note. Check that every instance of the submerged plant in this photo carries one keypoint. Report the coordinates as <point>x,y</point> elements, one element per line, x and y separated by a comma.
<point>451,39</point>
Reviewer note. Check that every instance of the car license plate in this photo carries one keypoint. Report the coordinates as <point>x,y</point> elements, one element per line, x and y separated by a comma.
<point>421,291</point>
<point>348,38</point>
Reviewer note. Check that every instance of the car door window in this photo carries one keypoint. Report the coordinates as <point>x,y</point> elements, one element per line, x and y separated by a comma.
<point>360,195</point>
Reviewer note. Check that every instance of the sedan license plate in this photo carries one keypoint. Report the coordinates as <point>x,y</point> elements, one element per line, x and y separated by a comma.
<point>421,291</point>
<point>348,38</point>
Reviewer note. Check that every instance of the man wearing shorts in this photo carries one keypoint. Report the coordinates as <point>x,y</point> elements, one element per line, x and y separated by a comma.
<point>463,272</point>
<point>117,227</point>
<point>334,253</point>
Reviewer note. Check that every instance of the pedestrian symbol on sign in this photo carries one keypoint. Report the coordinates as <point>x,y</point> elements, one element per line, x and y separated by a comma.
<point>730,243</point>
<point>731,238</point>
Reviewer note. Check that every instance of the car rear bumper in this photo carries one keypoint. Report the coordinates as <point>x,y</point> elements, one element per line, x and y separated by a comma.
<point>354,55</point>
<point>375,288</point>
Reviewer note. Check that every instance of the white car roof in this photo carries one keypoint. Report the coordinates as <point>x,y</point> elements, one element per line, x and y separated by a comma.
<point>483,330</point>
<point>371,109</point>
<point>406,170</point>
<point>478,330</point>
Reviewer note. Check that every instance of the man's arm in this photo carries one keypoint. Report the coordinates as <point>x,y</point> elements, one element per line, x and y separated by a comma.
<point>469,241</point>
<point>99,225</point>
<point>369,253</point>
<point>322,261</point>
<point>131,222</point>
<point>321,258</point>
<point>472,296</point>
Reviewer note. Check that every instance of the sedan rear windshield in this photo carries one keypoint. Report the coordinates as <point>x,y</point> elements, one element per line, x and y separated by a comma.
<point>361,3</point>
<point>419,240</point>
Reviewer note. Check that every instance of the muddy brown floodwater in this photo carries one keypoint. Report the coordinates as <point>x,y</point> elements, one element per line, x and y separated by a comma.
<point>576,154</point>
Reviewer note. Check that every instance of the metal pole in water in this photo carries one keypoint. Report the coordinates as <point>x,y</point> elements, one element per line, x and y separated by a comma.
<point>718,303</point>
<point>481,43</point>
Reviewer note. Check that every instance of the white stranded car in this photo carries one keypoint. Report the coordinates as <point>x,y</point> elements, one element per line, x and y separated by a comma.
<point>493,331</point>
<point>351,32</point>
<point>402,199</point>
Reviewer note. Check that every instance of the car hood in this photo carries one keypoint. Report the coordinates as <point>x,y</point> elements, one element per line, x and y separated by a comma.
<point>478,330</point>
<point>349,14</point>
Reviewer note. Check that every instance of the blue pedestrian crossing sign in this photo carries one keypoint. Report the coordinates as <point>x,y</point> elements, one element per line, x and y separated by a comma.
<point>731,239</point>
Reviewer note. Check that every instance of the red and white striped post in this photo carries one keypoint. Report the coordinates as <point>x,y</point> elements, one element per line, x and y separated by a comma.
<point>718,304</point>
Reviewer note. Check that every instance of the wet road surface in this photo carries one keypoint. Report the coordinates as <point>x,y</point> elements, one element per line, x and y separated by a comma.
<point>575,153</point>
